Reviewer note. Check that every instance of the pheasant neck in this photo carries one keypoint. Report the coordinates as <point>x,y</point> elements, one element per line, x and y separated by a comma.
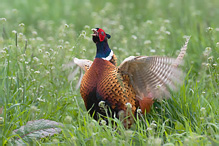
<point>103,51</point>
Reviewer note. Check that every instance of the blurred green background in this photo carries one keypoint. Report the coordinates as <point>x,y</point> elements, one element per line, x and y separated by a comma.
<point>145,19</point>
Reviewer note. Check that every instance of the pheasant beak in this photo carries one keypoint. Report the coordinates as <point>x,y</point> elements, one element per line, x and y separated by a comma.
<point>95,32</point>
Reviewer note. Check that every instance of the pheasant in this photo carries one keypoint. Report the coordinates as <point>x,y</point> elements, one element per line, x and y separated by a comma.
<point>133,85</point>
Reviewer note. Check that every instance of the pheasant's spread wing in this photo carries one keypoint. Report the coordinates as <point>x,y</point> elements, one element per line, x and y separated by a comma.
<point>152,77</point>
<point>82,63</point>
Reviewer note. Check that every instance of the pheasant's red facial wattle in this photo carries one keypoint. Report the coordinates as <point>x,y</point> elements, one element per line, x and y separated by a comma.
<point>99,35</point>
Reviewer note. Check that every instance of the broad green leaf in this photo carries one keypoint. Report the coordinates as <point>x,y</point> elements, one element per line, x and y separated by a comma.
<point>36,130</point>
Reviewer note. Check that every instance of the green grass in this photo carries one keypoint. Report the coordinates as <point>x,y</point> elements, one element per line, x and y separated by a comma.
<point>50,33</point>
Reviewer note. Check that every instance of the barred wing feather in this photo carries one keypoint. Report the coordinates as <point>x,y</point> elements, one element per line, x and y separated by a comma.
<point>82,64</point>
<point>153,77</point>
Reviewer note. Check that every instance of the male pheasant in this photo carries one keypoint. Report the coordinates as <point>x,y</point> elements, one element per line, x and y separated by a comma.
<point>132,85</point>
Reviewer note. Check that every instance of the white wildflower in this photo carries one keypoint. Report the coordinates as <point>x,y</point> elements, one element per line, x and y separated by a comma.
<point>20,35</point>
<point>152,50</point>
<point>207,64</point>
<point>153,125</point>
<point>66,26</point>
<point>68,119</point>
<point>121,27</point>
<point>157,141</point>
<point>202,118</point>
<point>87,27</point>
<point>210,58</point>
<point>60,47</point>
<point>39,39</point>
<point>34,33</point>
<point>167,32</point>
<point>21,25</point>
<point>3,19</point>
<point>146,42</point>
<point>137,53</point>
<point>14,31</point>
<point>134,37</point>
<point>166,21</point>
<point>215,64</point>
<point>37,72</point>
<point>149,22</point>
<point>208,48</point>
<point>1,120</point>
<point>202,109</point>
<point>40,99</point>
<point>103,122</point>
<point>40,50</point>
<point>104,141</point>
<point>128,105</point>
<point>14,11</point>
<point>36,59</point>
<point>55,140</point>
<point>209,29</point>
<point>101,104</point>
<point>47,53</point>
<point>162,29</point>
<point>139,111</point>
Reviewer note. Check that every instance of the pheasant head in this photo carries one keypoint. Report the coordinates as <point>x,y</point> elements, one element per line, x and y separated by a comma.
<point>100,38</point>
<point>99,35</point>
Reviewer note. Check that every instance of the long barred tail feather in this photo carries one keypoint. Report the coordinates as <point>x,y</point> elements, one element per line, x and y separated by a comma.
<point>182,53</point>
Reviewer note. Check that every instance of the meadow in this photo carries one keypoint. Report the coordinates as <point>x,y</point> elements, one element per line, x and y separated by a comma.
<point>38,37</point>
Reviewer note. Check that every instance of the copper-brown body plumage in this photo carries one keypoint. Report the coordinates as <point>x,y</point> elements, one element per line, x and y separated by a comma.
<point>102,82</point>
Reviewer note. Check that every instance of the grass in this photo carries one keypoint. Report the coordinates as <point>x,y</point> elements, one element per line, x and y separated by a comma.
<point>37,37</point>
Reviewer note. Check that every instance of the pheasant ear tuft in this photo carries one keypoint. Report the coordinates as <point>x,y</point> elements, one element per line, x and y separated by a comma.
<point>108,36</point>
